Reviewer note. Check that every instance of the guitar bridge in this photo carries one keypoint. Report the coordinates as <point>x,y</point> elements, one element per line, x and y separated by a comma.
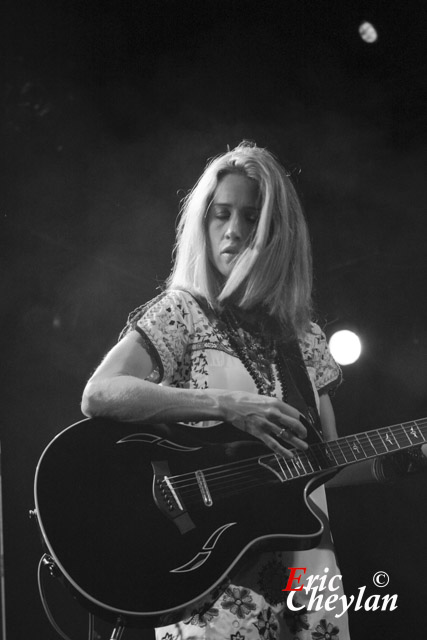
<point>167,498</point>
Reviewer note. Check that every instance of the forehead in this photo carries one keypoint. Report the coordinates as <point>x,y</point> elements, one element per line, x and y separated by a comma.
<point>237,189</point>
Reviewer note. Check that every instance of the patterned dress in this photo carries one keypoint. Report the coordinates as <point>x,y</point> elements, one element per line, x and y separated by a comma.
<point>192,351</point>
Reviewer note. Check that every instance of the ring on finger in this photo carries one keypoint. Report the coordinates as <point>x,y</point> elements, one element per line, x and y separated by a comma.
<point>282,432</point>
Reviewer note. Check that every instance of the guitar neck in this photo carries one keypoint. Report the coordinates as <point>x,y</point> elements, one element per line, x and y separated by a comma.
<point>235,477</point>
<point>348,450</point>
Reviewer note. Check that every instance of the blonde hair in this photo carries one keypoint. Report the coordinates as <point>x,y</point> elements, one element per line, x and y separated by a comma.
<point>275,269</point>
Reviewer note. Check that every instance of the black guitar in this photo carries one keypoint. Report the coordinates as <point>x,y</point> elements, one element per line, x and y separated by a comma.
<point>147,522</point>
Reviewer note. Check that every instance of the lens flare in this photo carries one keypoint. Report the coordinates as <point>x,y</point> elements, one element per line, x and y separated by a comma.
<point>345,347</point>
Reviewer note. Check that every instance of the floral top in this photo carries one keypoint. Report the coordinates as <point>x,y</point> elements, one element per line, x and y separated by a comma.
<point>190,349</point>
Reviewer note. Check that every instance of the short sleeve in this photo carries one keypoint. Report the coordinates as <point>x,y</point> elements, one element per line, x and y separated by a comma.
<point>322,368</point>
<point>165,325</point>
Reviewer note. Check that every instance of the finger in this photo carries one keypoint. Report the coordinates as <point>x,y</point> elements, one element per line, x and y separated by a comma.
<point>288,409</point>
<point>272,432</point>
<point>265,431</point>
<point>293,426</point>
<point>287,416</point>
<point>274,445</point>
<point>282,420</point>
<point>268,427</point>
<point>288,436</point>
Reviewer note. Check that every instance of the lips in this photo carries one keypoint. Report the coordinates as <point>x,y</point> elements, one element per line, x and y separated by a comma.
<point>233,250</point>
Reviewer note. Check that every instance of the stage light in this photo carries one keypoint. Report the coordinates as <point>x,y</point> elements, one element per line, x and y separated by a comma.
<point>345,347</point>
<point>368,33</point>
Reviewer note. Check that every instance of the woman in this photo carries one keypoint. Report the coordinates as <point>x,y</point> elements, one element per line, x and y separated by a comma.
<point>230,340</point>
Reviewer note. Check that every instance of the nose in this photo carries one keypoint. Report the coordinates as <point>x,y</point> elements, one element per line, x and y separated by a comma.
<point>234,230</point>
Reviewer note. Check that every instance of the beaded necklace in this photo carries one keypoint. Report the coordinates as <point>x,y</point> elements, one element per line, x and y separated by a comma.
<point>257,352</point>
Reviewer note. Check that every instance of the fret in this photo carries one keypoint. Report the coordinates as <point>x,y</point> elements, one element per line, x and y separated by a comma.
<point>295,463</point>
<point>401,436</point>
<point>290,467</point>
<point>388,439</point>
<point>413,433</point>
<point>309,459</point>
<point>322,460</point>
<point>343,451</point>
<point>330,453</point>
<point>375,450</point>
<point>378,443</point>
<point>305,462</point>
<point>314,462</point>
<point>338,453</point>
<point>346,450</point>
<point>300,464</point>
<point>273,463</point>
<point>422,428</point>
<point>324,454</point>
<point>284,468</point>
<point>366,444</point>
<point>356,448</point>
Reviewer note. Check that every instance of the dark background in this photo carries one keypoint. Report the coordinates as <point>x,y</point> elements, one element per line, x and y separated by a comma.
<point>109,112</point>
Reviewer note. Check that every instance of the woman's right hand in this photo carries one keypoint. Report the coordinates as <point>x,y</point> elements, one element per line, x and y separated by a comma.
<point>118,389</point>
<point>267,418</point>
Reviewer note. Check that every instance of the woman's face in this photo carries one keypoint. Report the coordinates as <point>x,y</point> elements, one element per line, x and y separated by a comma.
<point>232,218</point>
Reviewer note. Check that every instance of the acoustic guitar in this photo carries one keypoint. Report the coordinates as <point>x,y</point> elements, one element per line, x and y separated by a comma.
<point>148,522</point>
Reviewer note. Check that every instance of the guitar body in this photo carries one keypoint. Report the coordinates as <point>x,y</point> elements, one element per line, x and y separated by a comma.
<point>131,544</point>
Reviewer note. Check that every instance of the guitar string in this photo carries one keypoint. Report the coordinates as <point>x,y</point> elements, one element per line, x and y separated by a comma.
<point>227,480</point>
<point>191,495</point>
<point>233,485</point>
<point>228,467</point>
<point>221,483</point>
<point>230,475</point>
<point>334,446</point>
<point>230,485</point>
<point>373,437</point>
<point>253,463</point>
<point>231,479</point>
<point>193,500</point>
<point>243,480</point>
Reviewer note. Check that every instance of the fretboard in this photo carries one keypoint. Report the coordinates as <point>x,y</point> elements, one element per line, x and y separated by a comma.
<point>347,450</point>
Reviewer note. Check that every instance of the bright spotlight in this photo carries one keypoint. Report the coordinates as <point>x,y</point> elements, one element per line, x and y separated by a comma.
<point>345,346</point>
<point>368,33</point>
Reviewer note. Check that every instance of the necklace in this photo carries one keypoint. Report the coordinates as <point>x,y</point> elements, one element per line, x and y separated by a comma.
<point>257,353</point>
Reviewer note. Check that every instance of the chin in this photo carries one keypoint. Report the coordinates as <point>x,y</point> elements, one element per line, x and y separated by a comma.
<point>226,271</point>
<point>227,267</point>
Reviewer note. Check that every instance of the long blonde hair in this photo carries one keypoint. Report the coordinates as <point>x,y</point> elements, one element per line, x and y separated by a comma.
<point>275,269</point>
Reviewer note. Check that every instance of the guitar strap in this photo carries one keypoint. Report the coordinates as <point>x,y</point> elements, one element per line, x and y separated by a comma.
<point>298,383</point>
<point>300,389</point>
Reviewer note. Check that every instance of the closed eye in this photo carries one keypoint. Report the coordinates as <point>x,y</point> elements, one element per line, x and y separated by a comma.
<point>221,213</point>
<point>252,217</point>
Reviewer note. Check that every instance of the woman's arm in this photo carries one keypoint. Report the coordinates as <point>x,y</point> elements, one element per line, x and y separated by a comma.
<point>118,389</point>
